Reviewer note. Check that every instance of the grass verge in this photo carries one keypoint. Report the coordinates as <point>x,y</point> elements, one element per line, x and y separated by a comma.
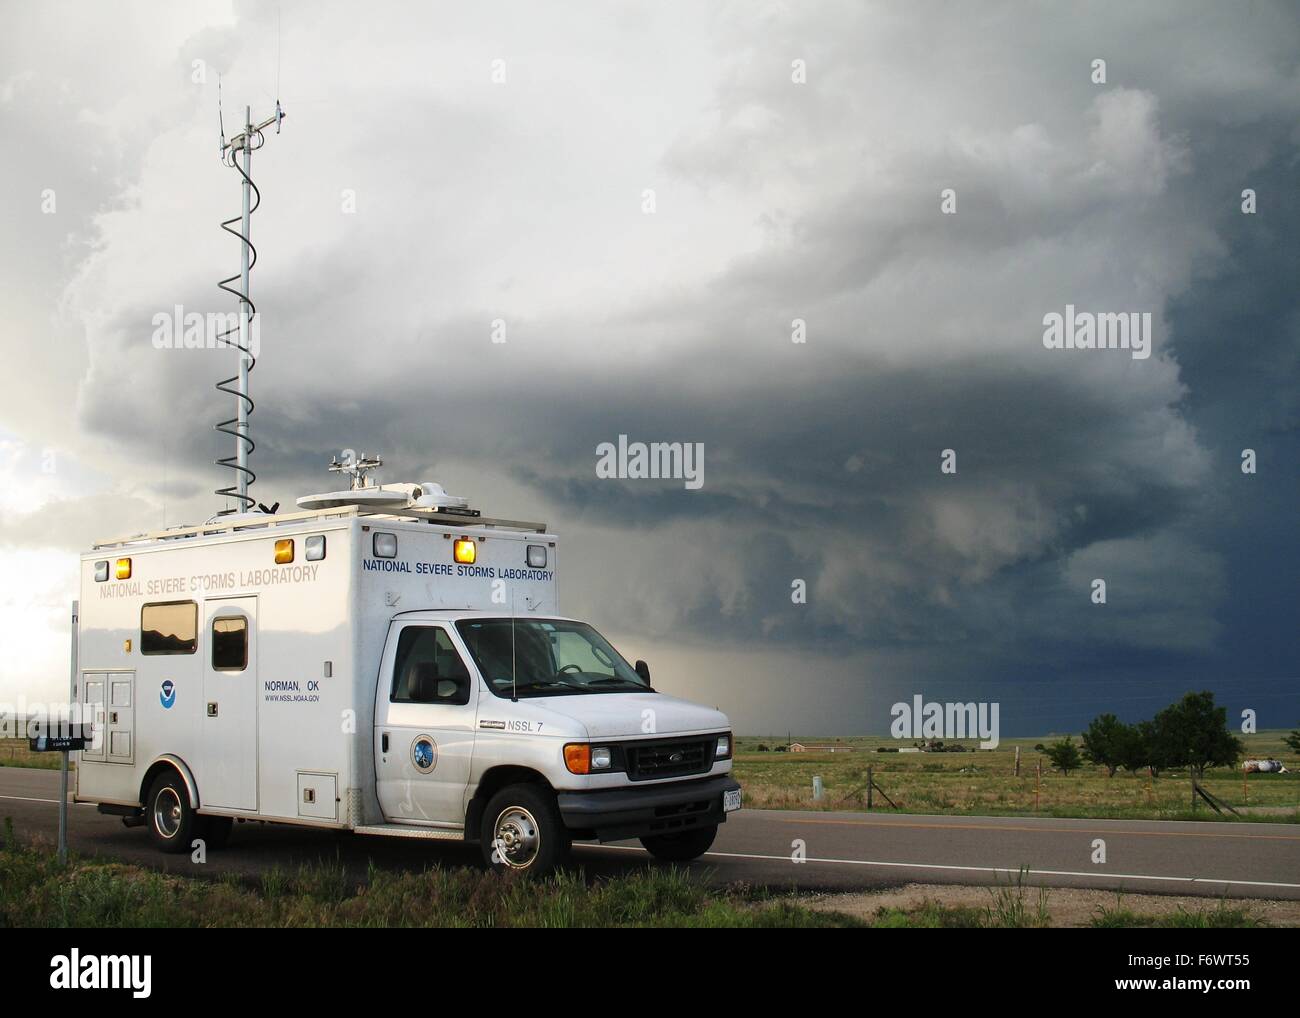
<point>35,891</point>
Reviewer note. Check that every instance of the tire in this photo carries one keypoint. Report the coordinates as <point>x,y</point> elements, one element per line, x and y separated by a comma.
<point>682,846</point>
<point>215,831</point>
<point>522,831</point>
<point>173,824</point>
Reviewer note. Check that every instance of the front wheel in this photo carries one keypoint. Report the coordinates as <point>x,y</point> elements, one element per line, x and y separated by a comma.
<point>682,846</point>
<point>522,831</point>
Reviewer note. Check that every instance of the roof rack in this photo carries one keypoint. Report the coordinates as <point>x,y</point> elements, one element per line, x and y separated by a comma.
<point>458,520</point>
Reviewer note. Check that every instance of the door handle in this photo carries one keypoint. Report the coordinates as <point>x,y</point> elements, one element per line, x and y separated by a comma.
<point>212,710</point>
<point>383,743</point>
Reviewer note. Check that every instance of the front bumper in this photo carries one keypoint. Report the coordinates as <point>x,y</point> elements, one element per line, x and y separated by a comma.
<point>616,813</point>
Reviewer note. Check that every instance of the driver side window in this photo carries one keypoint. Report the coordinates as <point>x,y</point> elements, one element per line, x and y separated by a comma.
<point>428,668</point>
<point>572,650</point>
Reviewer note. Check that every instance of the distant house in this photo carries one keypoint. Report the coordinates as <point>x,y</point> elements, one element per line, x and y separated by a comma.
<point>799,747</point>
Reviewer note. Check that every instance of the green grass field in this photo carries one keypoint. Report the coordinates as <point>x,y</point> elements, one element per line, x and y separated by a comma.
<point>984,782</point>
<point>92,893</point>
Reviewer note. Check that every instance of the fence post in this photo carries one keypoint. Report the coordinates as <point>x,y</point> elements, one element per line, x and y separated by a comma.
<point>871,785</point>
<point>1038,783</point>
<point>817,787</point>
<point>1017,761</point>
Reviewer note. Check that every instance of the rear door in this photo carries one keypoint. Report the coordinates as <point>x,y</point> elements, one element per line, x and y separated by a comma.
<point>426,707</point>
<point>229,723</point>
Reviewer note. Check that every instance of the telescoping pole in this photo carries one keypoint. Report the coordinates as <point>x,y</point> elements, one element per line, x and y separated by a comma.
<point>241,446</point>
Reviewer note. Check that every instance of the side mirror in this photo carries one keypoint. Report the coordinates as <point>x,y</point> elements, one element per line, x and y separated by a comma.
<point>424,683</point>
<point>643,670</point>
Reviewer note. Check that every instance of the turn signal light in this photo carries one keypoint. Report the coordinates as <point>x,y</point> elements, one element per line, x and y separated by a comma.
<point>123,569</point>
<point>284,551</point>
<point>464,550</point>
<point>577,757</point>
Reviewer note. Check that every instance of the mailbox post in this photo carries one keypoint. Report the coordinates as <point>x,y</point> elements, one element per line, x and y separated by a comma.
<point>64,744</point>
<point>67,738</point>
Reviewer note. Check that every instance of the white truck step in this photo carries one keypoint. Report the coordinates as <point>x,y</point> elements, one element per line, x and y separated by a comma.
<point>406,831</point>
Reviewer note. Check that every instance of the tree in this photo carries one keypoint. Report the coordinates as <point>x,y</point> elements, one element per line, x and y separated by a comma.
<point>1134,752</point>
<point>1159,755</point>
<point>1293,740</point>
<point>1112,744</point>
<point>1193,733</point>
<point>1064,755</point>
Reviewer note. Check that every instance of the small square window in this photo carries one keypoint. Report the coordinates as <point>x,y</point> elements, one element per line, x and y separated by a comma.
<point>230,644</point>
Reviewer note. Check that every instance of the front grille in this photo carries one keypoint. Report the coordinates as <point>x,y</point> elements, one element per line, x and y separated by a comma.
<point>668,758</point>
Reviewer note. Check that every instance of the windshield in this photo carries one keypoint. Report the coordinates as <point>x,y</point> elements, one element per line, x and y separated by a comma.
<point>550,658</point>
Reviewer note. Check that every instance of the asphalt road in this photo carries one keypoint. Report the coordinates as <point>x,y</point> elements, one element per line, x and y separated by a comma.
<point>842,851</point>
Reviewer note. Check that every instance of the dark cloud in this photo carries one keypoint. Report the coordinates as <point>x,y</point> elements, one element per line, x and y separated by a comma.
<point>779,202</point>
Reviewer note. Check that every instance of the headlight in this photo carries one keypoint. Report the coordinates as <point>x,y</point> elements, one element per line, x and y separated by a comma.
<point>724,747</point>
<point>584,758</point>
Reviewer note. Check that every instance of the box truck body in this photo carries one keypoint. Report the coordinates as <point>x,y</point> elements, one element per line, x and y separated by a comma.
<point>360,668</point>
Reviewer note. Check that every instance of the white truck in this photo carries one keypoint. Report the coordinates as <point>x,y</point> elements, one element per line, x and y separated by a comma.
<point>385,661</point>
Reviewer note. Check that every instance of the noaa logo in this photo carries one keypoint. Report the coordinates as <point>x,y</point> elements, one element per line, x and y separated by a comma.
<point>424,754</point>
<point>168,694</point>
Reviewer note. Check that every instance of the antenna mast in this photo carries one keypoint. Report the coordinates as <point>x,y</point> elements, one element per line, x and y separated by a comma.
<point>246,142</point>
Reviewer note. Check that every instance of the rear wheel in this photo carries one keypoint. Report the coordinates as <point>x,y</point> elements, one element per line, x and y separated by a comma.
<point>682,846</point>
<point>172,821</point>
<point>522,831</point>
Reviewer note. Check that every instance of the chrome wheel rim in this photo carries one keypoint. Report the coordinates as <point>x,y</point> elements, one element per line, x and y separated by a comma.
<point>516,837</point>
<point>167,812</point>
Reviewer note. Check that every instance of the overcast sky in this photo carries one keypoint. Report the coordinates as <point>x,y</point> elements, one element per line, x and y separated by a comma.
<point>414,198</point>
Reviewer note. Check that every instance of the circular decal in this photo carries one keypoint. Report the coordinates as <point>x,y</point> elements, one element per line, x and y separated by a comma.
<point>424,754</point>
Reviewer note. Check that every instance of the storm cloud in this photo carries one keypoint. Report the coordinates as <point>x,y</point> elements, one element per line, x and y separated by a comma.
<point>413,206</point>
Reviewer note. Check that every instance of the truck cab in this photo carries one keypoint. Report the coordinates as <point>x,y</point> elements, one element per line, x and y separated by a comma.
<point>529,733</point>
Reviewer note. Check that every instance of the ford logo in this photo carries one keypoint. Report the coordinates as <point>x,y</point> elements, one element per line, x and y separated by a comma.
<point>676,757</point>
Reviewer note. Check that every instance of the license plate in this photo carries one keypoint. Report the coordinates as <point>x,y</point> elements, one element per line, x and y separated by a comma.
<point>730,801</point>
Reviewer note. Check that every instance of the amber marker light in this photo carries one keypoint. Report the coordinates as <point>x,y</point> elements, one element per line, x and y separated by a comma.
<point>577,757</point>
